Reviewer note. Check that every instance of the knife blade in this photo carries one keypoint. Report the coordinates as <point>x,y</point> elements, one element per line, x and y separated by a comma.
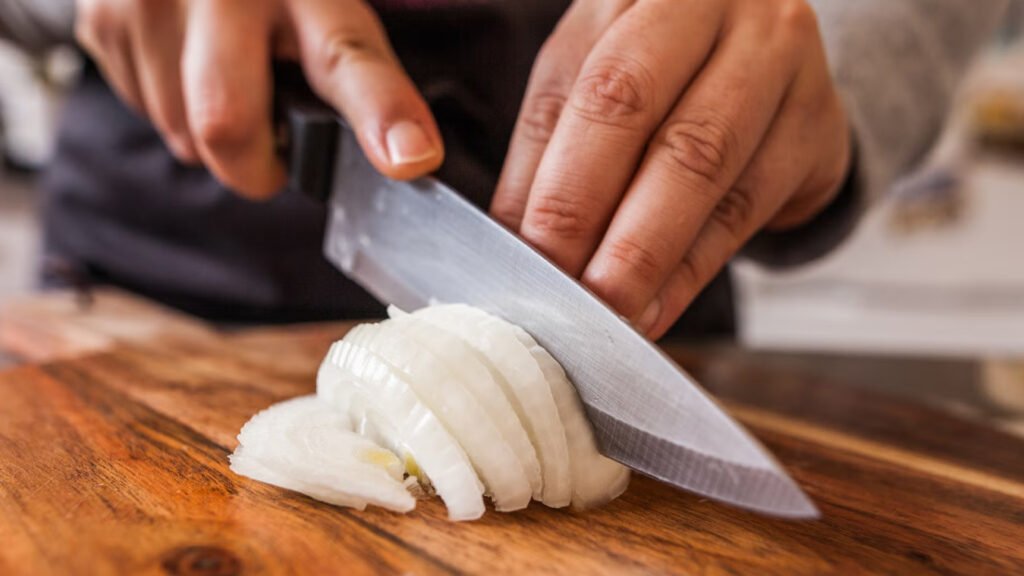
<point>416,243</point>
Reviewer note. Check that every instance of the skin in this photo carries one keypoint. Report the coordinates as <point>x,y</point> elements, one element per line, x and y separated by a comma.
<point>655,139</point>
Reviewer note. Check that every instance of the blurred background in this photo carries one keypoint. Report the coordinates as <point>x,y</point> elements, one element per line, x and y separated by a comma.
<point>935,270</point>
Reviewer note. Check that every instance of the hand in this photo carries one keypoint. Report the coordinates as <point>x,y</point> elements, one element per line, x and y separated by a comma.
<point>200,70</point>
<point>657,136</point>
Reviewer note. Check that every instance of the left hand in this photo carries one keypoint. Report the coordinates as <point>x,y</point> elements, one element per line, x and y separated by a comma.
<point>657,136</point>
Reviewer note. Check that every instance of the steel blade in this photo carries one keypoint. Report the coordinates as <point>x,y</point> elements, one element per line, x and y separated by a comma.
<point>415,243</point>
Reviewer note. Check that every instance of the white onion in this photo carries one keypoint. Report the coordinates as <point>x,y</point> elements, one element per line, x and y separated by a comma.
<point>381,397</point>
<point>526,386</point>
<point>305,445</point>
<point>443,392</point>
<point>449,399</point>
<point>596,480</point>
<point>483,382</point>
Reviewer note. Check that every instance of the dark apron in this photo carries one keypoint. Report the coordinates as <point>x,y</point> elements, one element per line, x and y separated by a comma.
<point>120,210</point>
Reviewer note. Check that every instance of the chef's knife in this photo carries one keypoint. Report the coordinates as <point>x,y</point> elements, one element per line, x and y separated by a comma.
<point>416,243</point>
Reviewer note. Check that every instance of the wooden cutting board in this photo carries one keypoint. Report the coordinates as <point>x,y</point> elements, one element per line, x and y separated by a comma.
<point>113,460</point>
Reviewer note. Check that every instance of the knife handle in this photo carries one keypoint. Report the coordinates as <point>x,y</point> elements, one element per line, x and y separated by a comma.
<point>307,132</point>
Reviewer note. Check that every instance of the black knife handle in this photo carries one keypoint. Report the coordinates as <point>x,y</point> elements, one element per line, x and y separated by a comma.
<point>307,132</point>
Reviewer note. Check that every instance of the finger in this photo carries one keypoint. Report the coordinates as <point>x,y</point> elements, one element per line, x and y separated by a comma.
<point>349,63</point>
<point>773,174</point>
<point>696,156</point>
<point>556,68</point>
<point>226,75</point>
<point>158,43</point>
<point>816,101</point>
<point>802,160</point>
<point>825,182</point>
<point>102,32</point>
<point>626,86</point>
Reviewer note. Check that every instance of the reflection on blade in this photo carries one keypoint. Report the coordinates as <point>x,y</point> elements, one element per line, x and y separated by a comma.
<point>415,243</point>
<point>764,489</point>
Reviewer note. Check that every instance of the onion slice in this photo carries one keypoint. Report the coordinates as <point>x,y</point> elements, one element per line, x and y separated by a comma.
<point>380,398</point>
<point>448,399</point>
<point>526,387</point>
<point>482,381</point>
<point>448,396</point>
<point>305,445</point>
<point>596,479</point>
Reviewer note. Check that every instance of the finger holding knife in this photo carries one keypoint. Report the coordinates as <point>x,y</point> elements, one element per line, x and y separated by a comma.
<point>657,137</point>
<point>201,72</point>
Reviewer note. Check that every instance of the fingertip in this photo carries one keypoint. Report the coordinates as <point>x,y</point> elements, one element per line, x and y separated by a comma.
<point>508,214</point>
<point>263,192</point>
<point>258,187</point>
<point>183,150</point>
<point>407,143</point>
<point>648,319</point>
<point>404,150</point>
<point>413,170</point>
<point>655,334</point>
<point>610,285</point>
<point>508,205</point>
<point>411,150</point>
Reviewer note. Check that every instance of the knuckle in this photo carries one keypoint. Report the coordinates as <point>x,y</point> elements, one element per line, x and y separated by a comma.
<point>342,48</point>
<point>96,24</point>
<point>559,217</point>
<point>695,270</point>
<point>540,116</point>
<point>221,127</point>
<point>831,178</point>
<point>797,17</point>
<point>734,213</point>
<point>831,168</point>
<point>616,91</point>
<point>180,146</point>
<point>700,144</point>
<point>636,260</point>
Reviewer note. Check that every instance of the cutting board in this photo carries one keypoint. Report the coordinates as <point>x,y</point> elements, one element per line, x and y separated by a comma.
<point>113,460</point>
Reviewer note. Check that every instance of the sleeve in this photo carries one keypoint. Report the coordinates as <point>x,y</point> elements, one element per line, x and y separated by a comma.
<point>896,65</point>
<point>37,25</point>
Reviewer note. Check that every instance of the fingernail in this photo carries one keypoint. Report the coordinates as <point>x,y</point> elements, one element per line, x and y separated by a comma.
<point>408,143</point>
<point>649,317</point>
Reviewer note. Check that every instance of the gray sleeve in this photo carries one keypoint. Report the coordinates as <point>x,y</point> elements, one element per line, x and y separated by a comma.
<point>896,64</point>
<point>36,25</point>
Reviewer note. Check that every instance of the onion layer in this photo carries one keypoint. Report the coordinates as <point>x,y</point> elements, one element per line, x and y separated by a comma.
<point>305,445</point>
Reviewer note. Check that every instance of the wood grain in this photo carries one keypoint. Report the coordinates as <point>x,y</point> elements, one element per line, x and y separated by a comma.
<point>60,324</point>
<point>116,463</point>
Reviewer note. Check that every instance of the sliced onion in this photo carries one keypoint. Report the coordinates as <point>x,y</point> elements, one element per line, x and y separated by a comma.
<point>463,402</point>
<point>442,390</point>
<point>305,445</point>
<point>381,398</point>
<point>470,368</point>
<point>525,384</point>
<point>596,480</point>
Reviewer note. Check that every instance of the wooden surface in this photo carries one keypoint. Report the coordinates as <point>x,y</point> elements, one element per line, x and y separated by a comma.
<point>115,462</point>
<point>61,325</point>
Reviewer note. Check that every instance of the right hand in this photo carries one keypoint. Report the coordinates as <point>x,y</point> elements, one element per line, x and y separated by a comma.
<point>200,71</point>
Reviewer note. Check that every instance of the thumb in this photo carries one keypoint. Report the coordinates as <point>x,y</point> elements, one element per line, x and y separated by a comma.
<point>350,64</point>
